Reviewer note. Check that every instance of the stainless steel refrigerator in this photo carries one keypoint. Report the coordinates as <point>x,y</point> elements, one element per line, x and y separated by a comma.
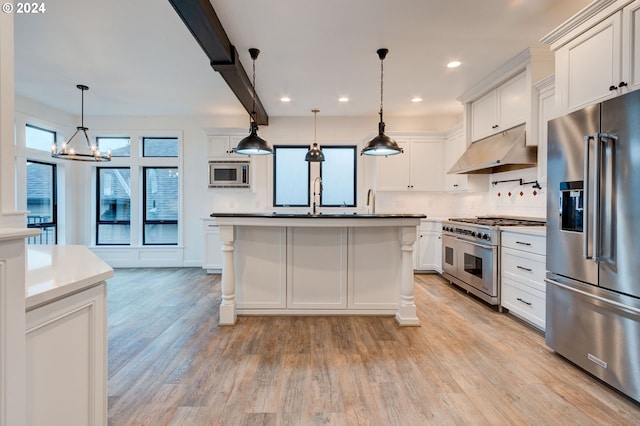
<point>593,240</point>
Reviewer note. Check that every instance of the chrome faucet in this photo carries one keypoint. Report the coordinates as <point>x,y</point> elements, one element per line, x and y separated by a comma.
<point>371,200</point>
<point>318,179</point>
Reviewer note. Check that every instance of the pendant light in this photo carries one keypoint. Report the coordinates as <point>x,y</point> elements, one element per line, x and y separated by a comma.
<point>69,153</point>
<point>314,154</point>
<point>253,144</point>
<point>381,144</point>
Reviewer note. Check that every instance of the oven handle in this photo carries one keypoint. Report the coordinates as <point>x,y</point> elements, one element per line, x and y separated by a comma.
<point>476,244</point>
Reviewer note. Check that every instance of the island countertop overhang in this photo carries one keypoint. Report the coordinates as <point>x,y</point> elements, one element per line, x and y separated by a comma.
<point>318,219</point>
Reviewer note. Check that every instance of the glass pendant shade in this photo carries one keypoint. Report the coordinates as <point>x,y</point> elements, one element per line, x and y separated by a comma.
<point>314,155</point>
<point>381,145</point>
<point>253,144</point>
<point>91,153</point>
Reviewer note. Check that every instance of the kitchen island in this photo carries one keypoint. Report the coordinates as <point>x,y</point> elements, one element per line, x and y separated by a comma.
<point>318,264</point>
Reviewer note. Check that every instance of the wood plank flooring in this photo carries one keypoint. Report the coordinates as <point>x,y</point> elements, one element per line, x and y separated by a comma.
<point>170,364</point>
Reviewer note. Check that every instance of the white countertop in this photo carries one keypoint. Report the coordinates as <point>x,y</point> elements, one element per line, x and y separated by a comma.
<point>56,271</point>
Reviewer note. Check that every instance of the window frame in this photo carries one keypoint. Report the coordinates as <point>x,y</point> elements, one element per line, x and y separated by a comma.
<point>34,126</point>
<point>144,207</point>
<point>354,148</point>
<point>275,167</point>
<point>98,138</point>
<point>54,183</point>
<point>144,138</point>
<point>110,222</point>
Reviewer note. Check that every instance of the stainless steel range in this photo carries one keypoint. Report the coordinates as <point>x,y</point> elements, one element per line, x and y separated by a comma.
<point>470,257</point>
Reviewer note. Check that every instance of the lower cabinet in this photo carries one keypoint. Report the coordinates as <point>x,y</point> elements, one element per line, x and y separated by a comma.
<point>523,264</point>
<point>428,250</point>
<point>66,360</point>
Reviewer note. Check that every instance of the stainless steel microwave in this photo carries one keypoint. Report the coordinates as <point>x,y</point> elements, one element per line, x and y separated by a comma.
<point>229,174</point>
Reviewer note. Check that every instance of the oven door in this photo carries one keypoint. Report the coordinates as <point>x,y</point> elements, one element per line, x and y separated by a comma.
<point>477,266</point>
<point>449,255</point>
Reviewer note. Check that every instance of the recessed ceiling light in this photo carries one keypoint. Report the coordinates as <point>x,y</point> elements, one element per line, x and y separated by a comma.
<point>343,99</point>
<point>416,99</point>
<point>454,64</point>
<point>285,99</point>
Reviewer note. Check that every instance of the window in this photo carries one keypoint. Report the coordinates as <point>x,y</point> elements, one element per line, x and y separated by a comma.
<point>39,138</point>
<point>119,146</point>
<point>290,176</point>
<point>113,206</point>
<point>293,176</point>
<point>41,201</point>
<point>159,147</point>
<point>160,185</point>
<point>338,174</point>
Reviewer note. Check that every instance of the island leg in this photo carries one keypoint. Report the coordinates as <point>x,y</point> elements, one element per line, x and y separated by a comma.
<point>407,314</point>
<point>228,305</point>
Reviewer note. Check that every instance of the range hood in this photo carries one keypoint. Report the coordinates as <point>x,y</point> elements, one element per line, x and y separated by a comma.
<point>498,153</point>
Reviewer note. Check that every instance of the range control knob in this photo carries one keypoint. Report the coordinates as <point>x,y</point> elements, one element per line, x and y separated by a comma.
<point>480,235</point>
<point>473,234</point>
<point>487,237</point>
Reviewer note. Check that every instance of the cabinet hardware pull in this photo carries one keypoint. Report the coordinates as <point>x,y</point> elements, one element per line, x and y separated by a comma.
<point>523,268</point>
<point>613,87</point>
<point>523,243</point>
<point>622,84</point>
<point>524,301</point>
<point>495,126</point>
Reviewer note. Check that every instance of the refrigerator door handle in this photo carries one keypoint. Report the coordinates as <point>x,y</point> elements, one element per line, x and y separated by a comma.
<point>593,296</point>
<point>603,140</point>
<point>587,197</point>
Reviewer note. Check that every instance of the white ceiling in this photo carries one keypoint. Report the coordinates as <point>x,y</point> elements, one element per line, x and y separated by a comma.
<point>138,58</point>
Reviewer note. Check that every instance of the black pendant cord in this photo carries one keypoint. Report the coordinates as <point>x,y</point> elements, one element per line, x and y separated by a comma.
<point>252,117</point>
<point>381,86</point>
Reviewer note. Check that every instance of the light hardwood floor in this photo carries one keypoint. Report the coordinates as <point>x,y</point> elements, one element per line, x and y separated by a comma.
<point>170,363</point>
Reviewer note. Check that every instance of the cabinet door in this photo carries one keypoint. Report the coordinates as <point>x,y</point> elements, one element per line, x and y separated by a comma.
<point>590,64</point>
<point>66,360</point>
<point>429,252</point>
<point>222,146</point>
<point>512,103</point>
<point>426,165</point>
<point>393,172</point>
<point>453,147</point>
<point>212,255</point>
<point>484,117</point>
<point>546,111</point>
<point>631,45</point>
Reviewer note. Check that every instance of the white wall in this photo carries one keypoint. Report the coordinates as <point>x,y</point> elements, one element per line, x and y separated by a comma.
<point>200,201</point>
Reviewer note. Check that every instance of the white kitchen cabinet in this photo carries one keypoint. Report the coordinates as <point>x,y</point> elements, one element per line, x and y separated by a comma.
<point>522,272</point>
<point>428,249</point>
<point>67,360</point>
<point>500,109</point>
<point>418,168</point>
<point>453,146</point>
<point>221,146</point>
<point>597,54</point>
<point>546,111</point>
<point>212,250</point>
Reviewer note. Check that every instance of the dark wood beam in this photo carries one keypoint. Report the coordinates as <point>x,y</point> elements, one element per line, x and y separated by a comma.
<point>204,25</point>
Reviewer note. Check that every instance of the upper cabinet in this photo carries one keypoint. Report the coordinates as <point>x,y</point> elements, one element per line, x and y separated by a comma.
<point>507,97</point>
<point>221,146</point>
<point>419,168</point>
<point>500,109</point>
<point>453,146</point>
<point>597,53</point>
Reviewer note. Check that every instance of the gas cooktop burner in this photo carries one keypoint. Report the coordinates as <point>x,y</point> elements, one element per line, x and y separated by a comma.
<point>498,221</point>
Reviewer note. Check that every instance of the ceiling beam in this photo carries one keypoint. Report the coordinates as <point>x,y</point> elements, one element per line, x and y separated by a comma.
<point>204,25</point>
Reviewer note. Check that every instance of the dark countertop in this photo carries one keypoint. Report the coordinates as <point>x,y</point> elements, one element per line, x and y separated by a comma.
<point>322,215</point>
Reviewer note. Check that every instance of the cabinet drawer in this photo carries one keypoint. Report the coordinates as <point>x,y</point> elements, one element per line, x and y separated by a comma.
<point>524,302</point>
<point>527,268</point>
<point>527,242</point>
